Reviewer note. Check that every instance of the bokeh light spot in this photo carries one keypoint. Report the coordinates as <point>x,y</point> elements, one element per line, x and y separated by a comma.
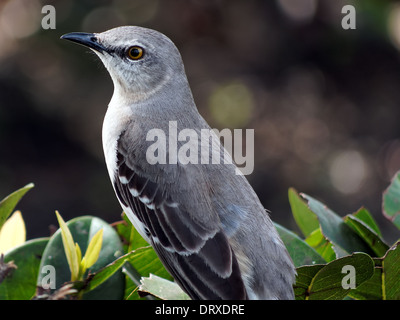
<point>394,25</point>
<point>299,10</point>
<point>20,18</point>
<point>231,105</point>
<point>348,171</point>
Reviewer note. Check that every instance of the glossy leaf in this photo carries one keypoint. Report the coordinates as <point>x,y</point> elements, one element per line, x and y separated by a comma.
<point>8,204</point>
<point>304,278</point>
<point>344,240</point>
<point>146,261</point>
<point>20,284</point>
<point>384,284</point>
<point>305,219</point>
<point>372,288</point>
<point>300,252</point>
<point>82,230</point>
<point>325,282</point>
<point>317,241</point>
<point>391,201</point>
<point>106,272</point>
<point>367,234</point>
<point>391,271</point>
<point>162,288</point>
<point>365,216</point>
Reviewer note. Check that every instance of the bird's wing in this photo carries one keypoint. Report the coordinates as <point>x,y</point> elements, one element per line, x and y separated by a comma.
<point>195,251</point>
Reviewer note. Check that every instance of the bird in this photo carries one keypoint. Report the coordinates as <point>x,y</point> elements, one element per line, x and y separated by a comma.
<point>204,220</point>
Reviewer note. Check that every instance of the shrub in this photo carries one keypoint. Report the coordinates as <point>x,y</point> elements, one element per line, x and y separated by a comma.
<point>336,257</point>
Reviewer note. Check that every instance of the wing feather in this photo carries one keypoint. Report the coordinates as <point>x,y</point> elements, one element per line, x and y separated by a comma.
<point>198,256</point>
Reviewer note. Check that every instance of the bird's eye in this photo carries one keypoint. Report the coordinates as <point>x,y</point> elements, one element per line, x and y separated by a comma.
<point>135,53</point>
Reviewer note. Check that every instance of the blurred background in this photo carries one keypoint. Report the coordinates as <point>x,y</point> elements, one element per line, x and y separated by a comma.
<point>324,102</point>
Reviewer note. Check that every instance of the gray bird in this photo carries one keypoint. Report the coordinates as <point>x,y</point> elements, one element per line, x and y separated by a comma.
<point>203,219</point>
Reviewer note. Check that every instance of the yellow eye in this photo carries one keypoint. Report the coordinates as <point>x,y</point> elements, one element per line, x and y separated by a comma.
<point>135,53</point>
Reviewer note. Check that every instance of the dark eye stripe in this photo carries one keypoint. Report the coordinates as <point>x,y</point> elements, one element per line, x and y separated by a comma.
<point>123,53</point>
<point>118,51</point>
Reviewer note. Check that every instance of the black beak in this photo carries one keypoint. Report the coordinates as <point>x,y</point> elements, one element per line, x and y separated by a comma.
<point>86,39</point>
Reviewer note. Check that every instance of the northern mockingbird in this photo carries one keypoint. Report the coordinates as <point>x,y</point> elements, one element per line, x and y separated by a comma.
<point>204,220</point>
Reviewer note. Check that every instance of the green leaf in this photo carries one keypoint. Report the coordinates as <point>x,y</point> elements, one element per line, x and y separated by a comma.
<point>78,251</point>
<point>324,282</point>
<point>162,288</point>
<point>106,272</point>
<point>317,241</point>
<point>391,274</point>
<point>21,283</point>
<point>300,252</point>
<point>8,204</point>
<point>131,289</point>
<point>391,201</point>
<point>304,217</point>
<point>103,274</point>
<point>146,261</point>
<point>372,288</point>
<point>367,234</point>
<point>69,249</point>
<point>304,278</point>
<point>365,216</point>
<point>83,229</point>
<point>344,240</point>
<point>132,284</point>
<point>93,250</point>
<point>384,284</point>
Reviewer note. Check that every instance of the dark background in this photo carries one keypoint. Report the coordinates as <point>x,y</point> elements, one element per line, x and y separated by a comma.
<point>323,101</point>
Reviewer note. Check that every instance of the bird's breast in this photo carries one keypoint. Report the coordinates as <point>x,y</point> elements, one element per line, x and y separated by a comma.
<point>115,122</point>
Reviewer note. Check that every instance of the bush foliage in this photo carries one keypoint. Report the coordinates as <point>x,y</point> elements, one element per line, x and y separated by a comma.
<point>87,258</point>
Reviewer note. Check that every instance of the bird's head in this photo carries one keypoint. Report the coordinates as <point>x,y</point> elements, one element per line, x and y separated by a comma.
<point>139,60</point>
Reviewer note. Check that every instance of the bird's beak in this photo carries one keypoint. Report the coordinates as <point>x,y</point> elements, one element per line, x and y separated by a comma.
<point>86,39</point>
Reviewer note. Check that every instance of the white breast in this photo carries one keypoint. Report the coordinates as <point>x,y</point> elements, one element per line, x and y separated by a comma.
<point>115,122</point>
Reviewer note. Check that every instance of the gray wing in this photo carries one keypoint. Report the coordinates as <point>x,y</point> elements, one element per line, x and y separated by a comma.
<point>195,252</point>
